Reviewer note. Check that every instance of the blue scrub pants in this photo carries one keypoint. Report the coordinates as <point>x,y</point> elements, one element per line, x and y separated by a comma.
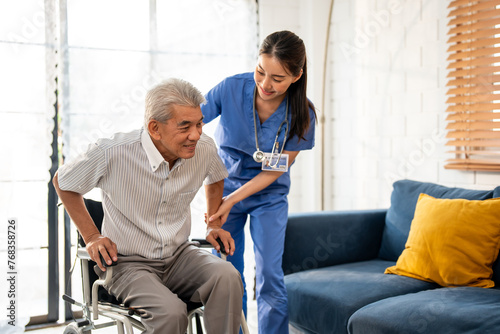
<point>268,218</point>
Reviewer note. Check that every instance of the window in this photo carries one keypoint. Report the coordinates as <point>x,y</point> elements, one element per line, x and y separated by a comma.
<point>28,86</point>
<point>474,78</point>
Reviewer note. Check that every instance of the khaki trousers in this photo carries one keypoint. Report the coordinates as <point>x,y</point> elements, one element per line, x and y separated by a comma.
<point>156,288</point>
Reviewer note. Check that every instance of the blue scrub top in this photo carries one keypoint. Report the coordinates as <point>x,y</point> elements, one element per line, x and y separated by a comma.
<point>232,100</point>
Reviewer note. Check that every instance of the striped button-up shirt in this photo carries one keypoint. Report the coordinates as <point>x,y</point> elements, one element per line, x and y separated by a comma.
<point>146,203</point>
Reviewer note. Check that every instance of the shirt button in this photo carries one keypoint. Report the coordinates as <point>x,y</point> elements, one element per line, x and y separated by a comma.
<point>159,223</point>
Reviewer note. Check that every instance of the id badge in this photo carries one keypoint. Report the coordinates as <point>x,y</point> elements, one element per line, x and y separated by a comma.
<point>272,164</point>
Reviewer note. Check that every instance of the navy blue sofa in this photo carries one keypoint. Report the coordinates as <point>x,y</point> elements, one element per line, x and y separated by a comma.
<point>334,266</point>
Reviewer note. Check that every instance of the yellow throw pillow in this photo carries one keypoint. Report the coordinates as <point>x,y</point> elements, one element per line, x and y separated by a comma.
<point>452,242</point>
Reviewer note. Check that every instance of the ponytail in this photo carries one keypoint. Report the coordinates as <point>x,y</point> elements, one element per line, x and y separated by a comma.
<point>290,50</point>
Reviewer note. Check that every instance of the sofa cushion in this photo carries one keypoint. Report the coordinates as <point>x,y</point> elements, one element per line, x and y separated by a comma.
<point>400,214</point>
<point>445,311</point>
<point>496,272</point>
<point>496,265</point>
<point>326,238</point>
<point>452,242</point>
<point>333,294</point>
<point>496,192</point>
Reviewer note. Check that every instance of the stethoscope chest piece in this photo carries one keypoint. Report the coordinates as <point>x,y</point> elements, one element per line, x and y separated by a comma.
<point>258,156</point>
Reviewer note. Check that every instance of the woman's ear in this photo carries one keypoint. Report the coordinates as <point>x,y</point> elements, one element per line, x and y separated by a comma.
<point>298,76</point>
<point>153,129</point>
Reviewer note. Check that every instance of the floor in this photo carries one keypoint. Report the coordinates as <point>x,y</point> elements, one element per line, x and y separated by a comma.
<point>252,324</point>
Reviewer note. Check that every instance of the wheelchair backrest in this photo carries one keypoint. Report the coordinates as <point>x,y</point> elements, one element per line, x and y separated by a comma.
<point>97,213</point>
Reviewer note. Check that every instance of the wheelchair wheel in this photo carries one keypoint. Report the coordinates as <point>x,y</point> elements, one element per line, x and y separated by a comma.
<point>73,328</point>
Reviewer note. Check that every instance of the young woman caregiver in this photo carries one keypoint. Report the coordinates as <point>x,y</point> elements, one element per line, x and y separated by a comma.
<point>265,121</point>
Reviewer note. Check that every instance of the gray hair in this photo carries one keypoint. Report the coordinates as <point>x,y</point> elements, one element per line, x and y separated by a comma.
<point>161,98</point>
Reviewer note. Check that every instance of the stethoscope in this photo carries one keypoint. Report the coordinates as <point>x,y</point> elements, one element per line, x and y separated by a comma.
<point>258,155</point>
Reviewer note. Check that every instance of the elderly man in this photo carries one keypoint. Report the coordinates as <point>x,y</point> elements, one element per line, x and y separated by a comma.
<point>148,179</point>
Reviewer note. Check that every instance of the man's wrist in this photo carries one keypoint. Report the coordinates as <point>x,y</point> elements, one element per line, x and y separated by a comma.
<point>215,225</point>
<point>88,238</point>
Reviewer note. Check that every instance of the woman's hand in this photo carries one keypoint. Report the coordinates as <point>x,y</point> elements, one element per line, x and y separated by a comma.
<point>222,211</point>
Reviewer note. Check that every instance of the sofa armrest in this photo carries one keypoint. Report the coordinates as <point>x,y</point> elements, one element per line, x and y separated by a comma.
<point>322,239</point>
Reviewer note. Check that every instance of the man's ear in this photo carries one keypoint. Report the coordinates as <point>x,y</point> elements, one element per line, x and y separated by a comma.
<point>153,129</point>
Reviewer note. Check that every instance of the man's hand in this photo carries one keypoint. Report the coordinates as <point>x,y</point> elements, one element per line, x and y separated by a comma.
<point>98,244</point>
<point>216,232</point>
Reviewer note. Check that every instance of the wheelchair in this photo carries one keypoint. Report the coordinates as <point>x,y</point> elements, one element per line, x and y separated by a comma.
<point>101,309</point>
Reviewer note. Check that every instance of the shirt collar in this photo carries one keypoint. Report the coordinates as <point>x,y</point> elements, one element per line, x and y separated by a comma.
<point>154,156</point>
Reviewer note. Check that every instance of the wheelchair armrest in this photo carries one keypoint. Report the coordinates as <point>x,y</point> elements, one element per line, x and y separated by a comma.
<point>108,274</point>
<point>84,255</point>
<point>202,243</point>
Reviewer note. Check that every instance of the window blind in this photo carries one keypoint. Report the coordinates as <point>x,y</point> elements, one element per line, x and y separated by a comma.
<point>473,121</point>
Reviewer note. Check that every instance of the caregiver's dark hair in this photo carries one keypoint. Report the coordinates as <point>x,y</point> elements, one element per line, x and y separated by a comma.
<point>290,51</point>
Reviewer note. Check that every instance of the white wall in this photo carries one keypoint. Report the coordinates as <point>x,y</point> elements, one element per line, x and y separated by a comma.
<point>385,99</point>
